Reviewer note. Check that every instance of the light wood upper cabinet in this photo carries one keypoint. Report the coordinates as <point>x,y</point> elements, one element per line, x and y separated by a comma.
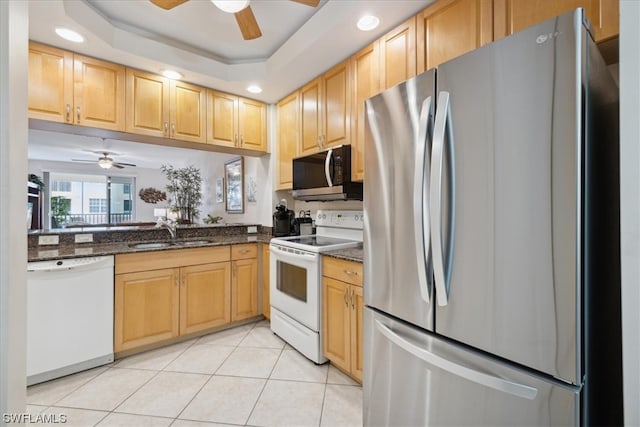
<point>511,16</point>
<point>326,110</point>
<point>287,140</point>
<point>157,106</point>
<point>365,69</point>
<point>450,28</point>
<point>188,111</point>
<point>148,106</point>
<point>205,292</point>
<point>244,281</point>
<point>234,121</point>
<point>50,83</point>
<point>398,54</point>
<point>146,307</point>
<point>75,89</point>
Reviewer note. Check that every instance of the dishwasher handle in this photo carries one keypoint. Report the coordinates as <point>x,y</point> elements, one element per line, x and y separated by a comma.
<point>71,264</point>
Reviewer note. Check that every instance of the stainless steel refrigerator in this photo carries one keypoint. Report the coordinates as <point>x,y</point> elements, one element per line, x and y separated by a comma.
<point>491,238</point>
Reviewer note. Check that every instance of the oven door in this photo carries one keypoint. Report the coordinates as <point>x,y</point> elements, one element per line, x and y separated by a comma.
<point>295,284</point>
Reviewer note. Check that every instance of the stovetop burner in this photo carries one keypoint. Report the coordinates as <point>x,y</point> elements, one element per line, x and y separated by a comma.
<point>315,240</point>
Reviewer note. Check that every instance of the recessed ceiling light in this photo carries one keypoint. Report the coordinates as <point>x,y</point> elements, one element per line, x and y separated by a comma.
<point>230,6</point>
<point>368,23</point>
<point>70,35</point>
<point>254,89</point>
<point>171,74</point>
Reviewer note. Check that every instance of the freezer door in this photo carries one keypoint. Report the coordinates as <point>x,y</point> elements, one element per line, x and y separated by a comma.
<point>398,274</point>
<point>511,286</point>
<point>412,378</point>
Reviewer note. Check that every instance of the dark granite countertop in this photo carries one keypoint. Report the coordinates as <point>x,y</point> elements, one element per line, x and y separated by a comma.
<point>353,254</point>
<point>119,243</point>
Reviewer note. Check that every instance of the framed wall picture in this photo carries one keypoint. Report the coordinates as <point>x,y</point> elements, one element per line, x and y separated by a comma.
<point>220,189</point>
<point>234,178</point>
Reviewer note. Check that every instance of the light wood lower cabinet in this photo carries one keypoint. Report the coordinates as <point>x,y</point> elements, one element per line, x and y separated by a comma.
<point>244,281</point>
<point>266,296</point>
<point>342,305</point>
<point>159,296</point>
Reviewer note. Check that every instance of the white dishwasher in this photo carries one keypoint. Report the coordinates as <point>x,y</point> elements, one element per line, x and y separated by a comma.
<point>69,316</point>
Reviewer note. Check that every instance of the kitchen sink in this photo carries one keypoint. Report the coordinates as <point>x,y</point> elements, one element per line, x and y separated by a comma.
<point>151,245</point>
<point>194,242</point>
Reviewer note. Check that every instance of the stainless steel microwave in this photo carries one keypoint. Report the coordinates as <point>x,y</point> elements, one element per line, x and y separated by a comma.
<point>325,175</point>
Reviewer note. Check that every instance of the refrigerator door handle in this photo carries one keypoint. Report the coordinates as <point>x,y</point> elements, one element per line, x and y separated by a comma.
<point>327,171</point>
<point>420,207</point>
<point>500,384</point>
<point>442,130</point>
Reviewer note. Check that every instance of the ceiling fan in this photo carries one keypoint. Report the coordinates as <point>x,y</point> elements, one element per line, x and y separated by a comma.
<point>240,8</point>
<point>105,162</point>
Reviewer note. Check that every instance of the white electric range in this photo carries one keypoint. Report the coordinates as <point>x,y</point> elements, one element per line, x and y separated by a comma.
<point>295,278</point>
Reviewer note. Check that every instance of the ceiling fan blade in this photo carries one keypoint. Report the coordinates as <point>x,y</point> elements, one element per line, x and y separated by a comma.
<point>248,24</point>
<point>312,3</point>
<point>124,164</point>
<point>83,160</point>
<point>167,4</point>
<point>118,165</point>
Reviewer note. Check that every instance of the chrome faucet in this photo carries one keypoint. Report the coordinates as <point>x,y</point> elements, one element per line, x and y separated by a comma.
<point>169,224</point>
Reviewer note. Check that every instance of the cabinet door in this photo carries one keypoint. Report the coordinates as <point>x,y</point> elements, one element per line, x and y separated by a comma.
<point>266,297</point>
<point>50,83</point>
<point>336,339</point>
<point>511,16</point>
<point>148,104</point>
<point>222,127</point>
<point>99,94</point>
<point>188,118</point>
<point>252,121</point>
<point>365,69</point>
<point>357,307</point>
<point>205,296</point>
<point>449,28</point>
<point>336,106</point>
<point>310,118</point>
<point>398,54</point>
<point>146,308</point>
<point>244,289</point>
<point>287,140</point>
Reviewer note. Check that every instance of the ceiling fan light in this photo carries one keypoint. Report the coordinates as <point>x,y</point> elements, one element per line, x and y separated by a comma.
<point>70,35</point>
<point>254,89</point>
<point>368,23</point>
<point>230,6</point>
<point>105,163</point>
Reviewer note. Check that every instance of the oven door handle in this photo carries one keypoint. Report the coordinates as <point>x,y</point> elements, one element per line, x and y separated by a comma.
<point>291,256</point>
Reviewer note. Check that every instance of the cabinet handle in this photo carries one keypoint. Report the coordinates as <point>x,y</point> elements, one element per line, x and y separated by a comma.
<point>184,279</point>
<point>166,129</point>
<point>78,114</point>
<point>173,129</point>
<point>244,251</point>
<point>68,113</point>
<point>346,297</point>
<point>175,281</point>
<point>318,142</point>
<point>235,141</point>
<point>353,304</point>
<point>350,273</point>
<point>241,140</point>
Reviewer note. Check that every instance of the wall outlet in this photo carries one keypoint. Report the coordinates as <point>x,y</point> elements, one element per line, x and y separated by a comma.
<point>84,238</point>
<point>252,229</point>
<point>48,240</point>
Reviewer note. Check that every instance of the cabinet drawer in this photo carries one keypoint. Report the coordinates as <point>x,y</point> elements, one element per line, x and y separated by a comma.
<point>346,271</point>
<point>143,261</point>
<point>244,251</point>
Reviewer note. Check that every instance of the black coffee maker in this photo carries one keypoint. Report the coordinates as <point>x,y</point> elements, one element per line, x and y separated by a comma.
<point>283,221</point>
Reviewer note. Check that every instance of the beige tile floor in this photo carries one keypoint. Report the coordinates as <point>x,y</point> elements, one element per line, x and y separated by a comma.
<point>241,376</point>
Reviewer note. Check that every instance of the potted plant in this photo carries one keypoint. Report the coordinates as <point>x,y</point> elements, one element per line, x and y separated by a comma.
<point>60,207</point>
<point>185,191</point>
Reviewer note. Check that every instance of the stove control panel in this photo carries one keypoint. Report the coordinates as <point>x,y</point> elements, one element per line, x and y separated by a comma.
<point>341,219</point>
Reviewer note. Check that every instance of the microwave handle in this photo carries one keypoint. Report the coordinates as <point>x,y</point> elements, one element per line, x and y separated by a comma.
<point>327,164</point>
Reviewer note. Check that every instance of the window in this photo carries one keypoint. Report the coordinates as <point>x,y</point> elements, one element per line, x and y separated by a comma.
<point>92,199</point>
<point>97,205</point>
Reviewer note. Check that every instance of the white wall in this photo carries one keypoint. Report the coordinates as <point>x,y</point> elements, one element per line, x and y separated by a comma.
<point>144,178</point>
<point>630,203</point>
<point>14,33</point>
